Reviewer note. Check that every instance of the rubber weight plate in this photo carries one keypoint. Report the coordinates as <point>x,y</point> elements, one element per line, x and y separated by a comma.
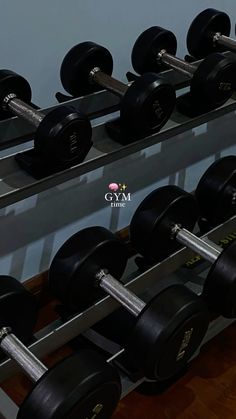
<point>18,308</point>
<point>167,332</point>
<point>213,82</point>
<point>11,82</point>
<point>220,285</point>
<point>147,105</point>
<point>147,47</point>
<point>202,30</point>
<point>81,386</point>
<point>151,225</point>
<point>73,269</point>
<point>79,62</point>
<point>63,136</point>
<point>215,191</point>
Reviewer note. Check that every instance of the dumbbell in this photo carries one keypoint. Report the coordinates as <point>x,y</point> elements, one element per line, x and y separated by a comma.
<point>210,32</point>
<point>163,222</point>
<point>81,386</point>
<point>216,191</point>
<point>145,106</point>
<point>212,81</point>
<point>62,136</point>
<point>167,330</point>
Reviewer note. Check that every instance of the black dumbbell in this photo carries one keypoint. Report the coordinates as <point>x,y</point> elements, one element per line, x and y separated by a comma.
<point>209,32</point>
<point>81,386</point>
<point>167,330</point>
<point>62,136</point>
<point>212,81</point>
<point>146,105</point>
<point>216,191</point>
<point>163,222</point>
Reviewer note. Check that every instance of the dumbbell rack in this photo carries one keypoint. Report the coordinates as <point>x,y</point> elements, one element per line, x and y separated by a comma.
<point>58,333</point>
<point>16,185</point>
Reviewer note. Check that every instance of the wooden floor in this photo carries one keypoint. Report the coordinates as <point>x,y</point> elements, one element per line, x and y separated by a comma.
<point>207,391</point>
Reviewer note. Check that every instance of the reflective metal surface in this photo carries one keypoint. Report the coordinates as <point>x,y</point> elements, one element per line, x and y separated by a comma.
<point>120,293</point>
<point>15,349</point>
<point>209,251</point>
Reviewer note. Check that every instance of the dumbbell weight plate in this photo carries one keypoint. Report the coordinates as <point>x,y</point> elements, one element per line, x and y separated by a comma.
<point>78,64</point>
<point>214,194</point>
<point>148,45</point>
<point>147,105</point>
<point>18,308</point>
<point>11,82</point>
<point>65,391</point>
<point>178,320</point>
<point>152,222</point>
<point>63,136</point>
<point>214,81</point>
<point>79,260</point>
<point>201,32</point>
<point>220,285</point>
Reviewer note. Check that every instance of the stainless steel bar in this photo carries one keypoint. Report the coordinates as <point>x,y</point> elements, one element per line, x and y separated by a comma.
<point>176,63</point>
<point>15,349</point>
<point>209,251</point>
<point>104,80</point>
<point>225,41</point>
<point>25,111</point>
<point>120,293</point>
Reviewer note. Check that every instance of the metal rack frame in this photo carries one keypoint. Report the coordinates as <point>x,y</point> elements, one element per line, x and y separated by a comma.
<point>16,185</point>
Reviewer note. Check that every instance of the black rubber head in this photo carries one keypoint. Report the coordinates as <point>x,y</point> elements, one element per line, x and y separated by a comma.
<point>147,105</point>
<point>213,82</point>
<point>168,332</point>
<point>11,82</point>
<point>82,386</point>
<point>220,285</point>
<point>18,308</point>
<point>200,36</point>
<point>73,269</point>
<point>151,225</point>
<point>79,62</point>
<point>147,47</point>
<point>63,136</point>
<point>216,190</point>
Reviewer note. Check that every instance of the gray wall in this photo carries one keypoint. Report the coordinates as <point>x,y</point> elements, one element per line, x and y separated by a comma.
<point>37,34</point>
<point>35,37</point>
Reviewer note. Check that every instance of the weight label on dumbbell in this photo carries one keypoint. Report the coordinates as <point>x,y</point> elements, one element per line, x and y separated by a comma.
<point>224,243</point>
<point>158,109</point>
<point>184,345</point>
<point>225,87</point>
<point>73,142</point>
<point>97,409</point>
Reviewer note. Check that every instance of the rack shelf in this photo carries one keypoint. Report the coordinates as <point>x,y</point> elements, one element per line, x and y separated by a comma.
<point>16,185</point>
<point>59,334</point>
